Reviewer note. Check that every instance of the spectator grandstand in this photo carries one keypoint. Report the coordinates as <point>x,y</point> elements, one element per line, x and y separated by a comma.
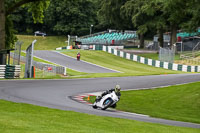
<point>108,38</point>
<point>185,34</point>
<point>185,41</point>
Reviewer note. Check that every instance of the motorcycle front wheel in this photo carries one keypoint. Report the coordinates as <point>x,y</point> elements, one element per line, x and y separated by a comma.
<point>107,103</point>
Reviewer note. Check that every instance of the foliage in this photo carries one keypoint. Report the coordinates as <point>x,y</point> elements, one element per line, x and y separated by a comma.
<point>36,7</point>
<point>61,18</point>
<point>109,14</point>
<point>10,37</point>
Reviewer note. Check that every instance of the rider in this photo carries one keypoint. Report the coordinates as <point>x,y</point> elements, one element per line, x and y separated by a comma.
<point>117,92</point>
<point>78,56</point>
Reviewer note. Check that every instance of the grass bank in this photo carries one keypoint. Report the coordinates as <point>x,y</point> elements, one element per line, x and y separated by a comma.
<point>180,102</point>
<point>24,118</point>
<point>155,56</point>
<point>43,43</point>
<point>126,67</point>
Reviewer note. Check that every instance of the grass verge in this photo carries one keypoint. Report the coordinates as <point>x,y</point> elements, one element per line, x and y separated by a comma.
<point>43,43</point>
<point>127,67</point>
<point>25,118</point>
<point>155,56</point>
<point>180,102</point>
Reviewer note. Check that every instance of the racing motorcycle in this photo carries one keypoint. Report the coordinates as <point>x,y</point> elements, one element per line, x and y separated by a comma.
<point>109,100</point>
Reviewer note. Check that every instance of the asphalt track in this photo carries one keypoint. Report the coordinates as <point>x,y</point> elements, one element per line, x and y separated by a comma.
<point>70,62</point>
<point>57,93</point>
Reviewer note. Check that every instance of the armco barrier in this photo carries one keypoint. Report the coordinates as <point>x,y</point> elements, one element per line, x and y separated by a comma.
<point>151,62</point>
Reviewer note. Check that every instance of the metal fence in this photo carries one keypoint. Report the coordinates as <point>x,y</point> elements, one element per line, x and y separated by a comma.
<point>48,68</point>
<point>166,55</point>
<point>16,59</point>
<point>44,67</point>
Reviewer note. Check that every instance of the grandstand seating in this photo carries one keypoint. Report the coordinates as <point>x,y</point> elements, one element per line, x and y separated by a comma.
<point>185,34</point>
<point>107,38</point>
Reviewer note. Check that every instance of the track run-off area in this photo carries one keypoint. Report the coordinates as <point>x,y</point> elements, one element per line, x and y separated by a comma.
<point>57,93</point>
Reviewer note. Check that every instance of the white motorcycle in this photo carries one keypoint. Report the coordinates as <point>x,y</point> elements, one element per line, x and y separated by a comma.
<point>109,100</point>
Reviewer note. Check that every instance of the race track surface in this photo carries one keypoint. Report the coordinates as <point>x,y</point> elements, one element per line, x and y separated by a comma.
<point>70,62</point>
<point>57,93</point>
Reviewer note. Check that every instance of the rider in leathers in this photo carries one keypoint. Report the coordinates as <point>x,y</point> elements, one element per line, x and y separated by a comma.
<point>117,92</point>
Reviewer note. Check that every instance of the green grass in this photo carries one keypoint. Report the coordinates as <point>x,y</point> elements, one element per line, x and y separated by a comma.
<point>155,56</point>
<point>43,43</point>
<point>181,102</point>
<point>176,102</point>
<point>71,72</point>
<point>127,67</point>
<point>25,118</point>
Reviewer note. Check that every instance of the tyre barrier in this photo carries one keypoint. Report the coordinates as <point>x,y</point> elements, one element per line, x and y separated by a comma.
<point>10,71</point>
<point>151,62</point>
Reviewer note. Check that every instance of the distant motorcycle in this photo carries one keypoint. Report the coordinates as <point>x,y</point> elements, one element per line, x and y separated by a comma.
<point>106,101</point>
<point>78,57</point>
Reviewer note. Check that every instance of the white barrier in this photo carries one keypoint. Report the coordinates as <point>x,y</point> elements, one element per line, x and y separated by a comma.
<point>2,71</point>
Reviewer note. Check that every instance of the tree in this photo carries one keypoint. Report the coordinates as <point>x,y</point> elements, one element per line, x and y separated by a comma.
<point>70,17</point>
<point>110,14</point>
<point>144,17</point>
<point>9,6</point>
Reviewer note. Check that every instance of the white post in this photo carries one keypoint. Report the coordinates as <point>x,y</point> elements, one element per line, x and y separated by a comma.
<point>68,40</point>
<point>65,71</point>
<point>33,43</point>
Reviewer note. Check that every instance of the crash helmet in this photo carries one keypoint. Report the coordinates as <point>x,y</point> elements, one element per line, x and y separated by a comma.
<point>117,88</point>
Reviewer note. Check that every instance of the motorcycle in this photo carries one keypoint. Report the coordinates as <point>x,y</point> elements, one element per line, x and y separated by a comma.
<point>106,101</point>
<point>78,57</point>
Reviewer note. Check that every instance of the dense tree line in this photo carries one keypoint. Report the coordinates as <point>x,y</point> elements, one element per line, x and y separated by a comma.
<point>61,18</point>
<point>7,7</point>
<point>74,17</point>
<point>150,15</point>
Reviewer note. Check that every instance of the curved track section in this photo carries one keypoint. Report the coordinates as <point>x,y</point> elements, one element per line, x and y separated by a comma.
<point>70,62</point>
<point>57,93</point>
